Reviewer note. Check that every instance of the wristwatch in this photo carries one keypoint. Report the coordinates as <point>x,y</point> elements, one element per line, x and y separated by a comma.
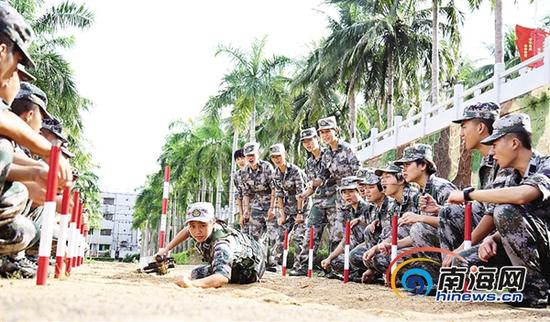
<point>467,192</point>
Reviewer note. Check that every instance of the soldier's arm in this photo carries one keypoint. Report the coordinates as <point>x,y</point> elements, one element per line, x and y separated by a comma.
<point>180,237</point>
<point>280,205</point>
<point>213,281</point>
<point>519,195</point>
<point>25,160</point>
<point>483,229</point>
<point>25,173</point>
<point>405,242</point>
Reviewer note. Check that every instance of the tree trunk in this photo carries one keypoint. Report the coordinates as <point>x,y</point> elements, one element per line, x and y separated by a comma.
<point>464,174</point>
<point>499,38</point>
<point>389,94</point>
<point>435,53</point>
<point>252,125</point>
<point>219,190</point>
<point>352,116</point>
<point>441,153</point>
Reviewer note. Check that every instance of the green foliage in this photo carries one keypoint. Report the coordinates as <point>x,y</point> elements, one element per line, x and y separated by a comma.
<point>181,258</point>
<point>537,108</point>
<point>130,258</point>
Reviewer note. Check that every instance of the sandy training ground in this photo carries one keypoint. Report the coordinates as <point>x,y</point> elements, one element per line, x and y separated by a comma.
<point>115,291</point>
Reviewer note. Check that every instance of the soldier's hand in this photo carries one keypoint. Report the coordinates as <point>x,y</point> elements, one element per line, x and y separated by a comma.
<point>409,218</point>
<point>37,193</point>
<point>384,248</point>
<point>282,219</point>
<point>456,197</point>
<point>354,222</point>
<point>65,175</point>
<point>242,221</point>
<point>40,174</point>
<point>368,255</point>
<point>184,281</point>
<point>162,252</point>
<point>299,219</point>
<point>325,263</point>
<point>372,226</point>
<point>448,260</point>
<point>270,214</point>
<point>487,249</point>
<point>246,215</point>
<point>428,204</point>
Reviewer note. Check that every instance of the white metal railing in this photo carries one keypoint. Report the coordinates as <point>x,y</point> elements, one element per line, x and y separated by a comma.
<point>503,86</point>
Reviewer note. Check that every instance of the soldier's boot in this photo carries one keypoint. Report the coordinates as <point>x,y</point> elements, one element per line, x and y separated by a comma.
<point>17,268</point>
<point>297,272</point>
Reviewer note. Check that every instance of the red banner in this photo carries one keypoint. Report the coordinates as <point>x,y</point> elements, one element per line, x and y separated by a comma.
<point>530,42</point>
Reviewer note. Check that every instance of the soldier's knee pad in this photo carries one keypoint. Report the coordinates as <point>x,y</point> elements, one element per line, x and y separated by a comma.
<point>507,215</point>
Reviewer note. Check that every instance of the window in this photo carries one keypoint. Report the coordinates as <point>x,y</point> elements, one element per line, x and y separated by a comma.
<point>106,232</point>
<point>108,201</point>
<point>104,246</point>
<point>108,216</point>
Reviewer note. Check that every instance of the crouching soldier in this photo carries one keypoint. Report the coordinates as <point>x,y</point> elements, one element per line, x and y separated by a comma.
<point>232,257</point>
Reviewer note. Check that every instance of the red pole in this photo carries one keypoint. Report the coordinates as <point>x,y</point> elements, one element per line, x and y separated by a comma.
<point>310,259</point>
<point>77,235</point>
<point>72,233</point>
<point>80,230</point>
<point>48,218</point>
<point>346,252</point>
<point>84,243</point>
<point>63,231</point>
<point>285,252</point>
<point>165,194</point>
<point>468,226</point>
<point>393,238</point>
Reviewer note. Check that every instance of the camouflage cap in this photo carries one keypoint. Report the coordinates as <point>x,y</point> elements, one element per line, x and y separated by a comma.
<point>24,74</point>
<point>417,152</point>
<point>372,178</point>
<point>364,172</point>
<point>308,133</point>
<point>483,110</point>
<point>389,168</point>
<point>277,149</point>
<point>200,211</point>
<point>251,148</point>
<point>13,25</point>
<point>65,150</point>
<point>511,123</point>
<point>348,183</point>
<point>54,126</point>
<point>327,123</point>
<point>29,92</point>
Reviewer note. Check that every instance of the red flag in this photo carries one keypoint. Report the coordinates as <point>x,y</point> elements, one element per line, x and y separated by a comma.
<point>530,42</point>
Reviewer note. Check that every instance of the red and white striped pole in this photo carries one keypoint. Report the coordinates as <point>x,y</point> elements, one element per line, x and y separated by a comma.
<point>285,252</point>
<point>393,240</point>
<point>79,227</point>
<point>165,194</point>
<point>310,257</point>
<point>48,218</point>
<point>63,231</point>
<point>76,235</point>
<point>346,252</point>
<point>72,233</point>
<point>84,243</point>
<point>468,226</point>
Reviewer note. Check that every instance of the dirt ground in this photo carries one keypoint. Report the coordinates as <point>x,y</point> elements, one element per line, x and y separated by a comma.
<point>114,291</point>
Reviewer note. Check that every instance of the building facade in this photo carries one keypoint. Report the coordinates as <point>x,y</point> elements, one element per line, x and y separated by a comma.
<point>116,238</point>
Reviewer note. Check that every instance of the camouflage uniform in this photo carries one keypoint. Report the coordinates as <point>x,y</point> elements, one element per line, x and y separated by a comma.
<point>425,235</point>
<point>451,217</point>
<point>380,262</point>
<point>237,182</point>
<point>336,165</point>
<point>257,185</point>
<point>227,251</point>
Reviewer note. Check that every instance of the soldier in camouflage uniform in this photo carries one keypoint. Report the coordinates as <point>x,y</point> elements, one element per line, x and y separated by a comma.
<point>240,160</point>
<point>359,211</point>
<point>259,202</point>
<point>362,174</point>
<point>318,216</point>
<point>419,168</point>
<point>522,211</point>
<point>289,182</point>
<point>338,162</point>
<point>232,257</point>
<point>476,124</point>
<point>405,199</point>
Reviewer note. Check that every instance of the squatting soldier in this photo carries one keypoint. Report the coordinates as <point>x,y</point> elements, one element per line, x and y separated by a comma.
<point>259,201</point>
<point>419,168</point>
<point>522,211</point>
<point>289,182</point>
<point>359,212</point>
<point>377,258</point>
<point>317,217</point>
<point>476,124</point>
<point>232,257</point>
